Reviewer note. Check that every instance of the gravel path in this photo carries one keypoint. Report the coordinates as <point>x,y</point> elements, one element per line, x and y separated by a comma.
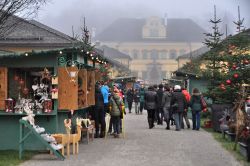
<point>145,147</point>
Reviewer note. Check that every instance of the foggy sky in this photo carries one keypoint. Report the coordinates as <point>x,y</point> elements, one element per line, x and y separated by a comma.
<point>63,14</point>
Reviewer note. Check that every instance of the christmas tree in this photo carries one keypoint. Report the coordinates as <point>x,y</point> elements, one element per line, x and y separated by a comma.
<point>228,63</point>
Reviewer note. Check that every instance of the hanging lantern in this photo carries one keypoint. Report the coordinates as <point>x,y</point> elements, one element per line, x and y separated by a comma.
<point>25,91</point>
<point>16,77</point>
<point>21,81</point>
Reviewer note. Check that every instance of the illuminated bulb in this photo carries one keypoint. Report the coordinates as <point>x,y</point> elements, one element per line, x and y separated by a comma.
<point>60,52</point>
<point>87,52</point>
<point>81,50</point>
<point>91,54</point>
<point>26,54</point>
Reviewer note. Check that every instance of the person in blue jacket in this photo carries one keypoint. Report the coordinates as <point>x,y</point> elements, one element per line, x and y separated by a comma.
<point>105,93</point>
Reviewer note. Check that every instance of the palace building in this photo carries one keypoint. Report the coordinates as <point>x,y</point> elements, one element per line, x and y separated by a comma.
<point>154,44</point>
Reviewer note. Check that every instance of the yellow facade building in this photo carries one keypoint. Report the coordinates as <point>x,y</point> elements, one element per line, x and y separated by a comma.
<point>154,44</point>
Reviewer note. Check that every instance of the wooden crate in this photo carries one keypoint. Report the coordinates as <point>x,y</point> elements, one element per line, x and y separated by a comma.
<point>3,86</point>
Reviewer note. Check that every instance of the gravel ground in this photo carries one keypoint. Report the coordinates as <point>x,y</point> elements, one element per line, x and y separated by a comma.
<point>146,147</point>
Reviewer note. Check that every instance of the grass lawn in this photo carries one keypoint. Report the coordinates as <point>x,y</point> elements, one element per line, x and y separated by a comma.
<point>11,157</point>
<point>225,143</point>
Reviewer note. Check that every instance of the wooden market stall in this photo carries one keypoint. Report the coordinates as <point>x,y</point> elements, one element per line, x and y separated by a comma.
<point>53,82</point>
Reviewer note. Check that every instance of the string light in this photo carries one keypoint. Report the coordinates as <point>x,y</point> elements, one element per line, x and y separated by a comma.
<point>26,54</point>
<point>60,52</point>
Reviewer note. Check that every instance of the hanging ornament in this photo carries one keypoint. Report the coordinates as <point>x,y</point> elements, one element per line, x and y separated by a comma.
<point>234,67</point>
<point>236,75</point>
<point>223,88</point>
<point>246,62</point>
<point>16,77</point>
<point>25,91</point>
<point>222,85</point>
<point>21,81</point>
<point>228,81</point>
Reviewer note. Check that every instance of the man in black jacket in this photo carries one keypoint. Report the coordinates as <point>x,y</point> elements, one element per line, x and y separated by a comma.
<point>150,105</point>
<point>130,98</point>
<point>178,104</point>
<point>99,113</point>
<point>159,110</point>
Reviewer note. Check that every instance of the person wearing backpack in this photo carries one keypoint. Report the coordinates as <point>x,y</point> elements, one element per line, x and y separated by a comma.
<point>196,107</point>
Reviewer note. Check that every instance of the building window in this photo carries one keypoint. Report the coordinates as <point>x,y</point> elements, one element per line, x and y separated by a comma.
<point>154,33</point>
<point>144,74</point>
<point>135,54</point>
<point>173,54</point>
<point>144,54</point>
<point>135,73</point>
<point>154,55</point>
<point>182,51</point>
<point>163,74</point>
<point>163,54</point>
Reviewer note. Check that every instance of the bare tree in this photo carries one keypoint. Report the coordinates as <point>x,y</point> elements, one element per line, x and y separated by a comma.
<point>23,8</point>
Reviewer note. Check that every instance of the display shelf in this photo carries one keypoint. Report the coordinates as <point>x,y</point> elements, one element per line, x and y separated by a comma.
<point>2,113</point>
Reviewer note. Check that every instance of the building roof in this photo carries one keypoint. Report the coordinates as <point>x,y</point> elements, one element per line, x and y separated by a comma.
<point>32,33</point>
<point>113,53</point>
<point>130,30</point>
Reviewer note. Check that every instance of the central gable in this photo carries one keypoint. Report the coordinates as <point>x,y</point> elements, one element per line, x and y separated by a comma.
<point>154,28</point>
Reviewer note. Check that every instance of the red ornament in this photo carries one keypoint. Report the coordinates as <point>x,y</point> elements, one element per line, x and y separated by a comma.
<point>222,85</point>
<point>236,75</point>
<point>234,67</point>
<point>223,88</point>
<point>246,62</point>
<point>228,82</point>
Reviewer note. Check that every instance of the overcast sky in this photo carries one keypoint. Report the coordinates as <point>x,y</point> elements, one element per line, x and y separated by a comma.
<point>63,14</point>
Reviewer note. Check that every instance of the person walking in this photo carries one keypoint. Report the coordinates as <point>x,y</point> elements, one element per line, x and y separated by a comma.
<point>178,104</point>
<point>99,113</point>
<point>115,112</point>
<point>187,96</point>
<point>105,93</point>
<point>196,107</point>
<point>166,99</point>
<point>159,109</point>
<point>142,94</point>
<point>130,98</point>
<point>150,105</point>
<point>136,100</point>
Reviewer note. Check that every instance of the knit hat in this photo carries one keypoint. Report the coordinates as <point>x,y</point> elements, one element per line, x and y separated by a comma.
<point>177,87</point>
